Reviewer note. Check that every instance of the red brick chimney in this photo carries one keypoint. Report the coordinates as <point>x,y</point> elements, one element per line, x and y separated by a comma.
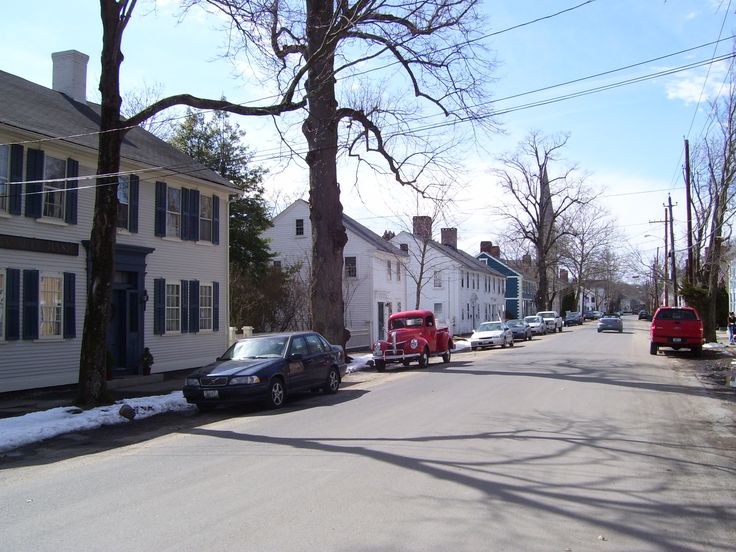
<point>449,237</point>
<point>495,251</point>
<point>423,227</point>
<point>485,247</point>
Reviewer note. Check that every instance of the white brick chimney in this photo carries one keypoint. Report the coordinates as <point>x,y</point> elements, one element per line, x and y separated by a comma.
<point>70,74</point>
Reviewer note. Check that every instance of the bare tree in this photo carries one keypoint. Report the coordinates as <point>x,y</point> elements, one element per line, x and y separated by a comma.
<point>323,49</point>
<point>539,202</point>
<point>581,253</point>
<point>713,193</point>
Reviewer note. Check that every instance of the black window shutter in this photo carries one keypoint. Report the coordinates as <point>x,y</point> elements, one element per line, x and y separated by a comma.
<point>12,304</point>
<point>34,173</point>
<point>184,302</point>
<point>30,304</point>
<point>215,306</point>
<point>16,177</point>
<point>159,306</point>
<point>185,215</point>
<point>133,204</point>
<point>70,318</point>
<point>72,172</point>
<point>215,219</point>
<point>194,306</point>
<point>160,215</point>
<point>194,225</point>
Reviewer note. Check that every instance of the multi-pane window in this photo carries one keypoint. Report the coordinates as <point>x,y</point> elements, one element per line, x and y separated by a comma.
<point>54,187</point>
<point>398,271</point>
<point>51,295</point>
<point>2,304</point>
<point>173,307</point>
<point>389,270</point>
<point>4,177</point>
<point>351,267</point>
<point>277,264</point>
<point>438,311</point>
<point>205,307</point>
<point>123,201</point>
<point>299,227</point>
<point>173,212</point>
<point>205,218</point>
<point>438,278</point>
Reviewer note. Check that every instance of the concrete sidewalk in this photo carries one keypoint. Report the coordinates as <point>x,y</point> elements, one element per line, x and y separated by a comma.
<point>18,403</point>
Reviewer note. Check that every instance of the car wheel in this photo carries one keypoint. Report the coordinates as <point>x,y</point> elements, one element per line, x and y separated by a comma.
<point>652,348</point>
<point>447,356</point>
<point>503,344</point>
<point>559,330</point>
<point>529,337</point>
<point>405,363</point>
<point>333,382</point>
<point>599,331</point>
<point>380,365</point>
<point>474,348</point>
<point>276,393</point>
<point>205,407</point>
<point>511,343</point>
<point>424,359</point>
<point>621,330</point>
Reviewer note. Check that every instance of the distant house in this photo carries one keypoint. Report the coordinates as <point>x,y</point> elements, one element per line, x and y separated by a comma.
<point>460,290</point>
<point>521,288</point>
<point>170,290</point>
<point>373,273</point>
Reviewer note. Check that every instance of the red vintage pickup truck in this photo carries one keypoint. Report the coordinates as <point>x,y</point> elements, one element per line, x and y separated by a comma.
<point>412,336</point>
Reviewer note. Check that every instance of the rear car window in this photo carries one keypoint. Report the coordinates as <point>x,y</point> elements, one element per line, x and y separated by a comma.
<point>676,314</point>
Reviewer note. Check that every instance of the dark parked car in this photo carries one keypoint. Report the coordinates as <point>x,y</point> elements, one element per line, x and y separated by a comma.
<point>644,315</point>
<point>676,327</point>
<point>267,367</point>
<point>573,318</point>
<point>611,322</point>
<point>520,329</point>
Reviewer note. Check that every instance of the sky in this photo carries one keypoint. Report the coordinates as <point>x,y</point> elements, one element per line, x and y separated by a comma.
<point>627,140</point>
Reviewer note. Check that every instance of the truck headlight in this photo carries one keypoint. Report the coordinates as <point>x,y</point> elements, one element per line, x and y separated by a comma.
<point>192,382</point>
<point>377,348</point>
<point>414,343</point>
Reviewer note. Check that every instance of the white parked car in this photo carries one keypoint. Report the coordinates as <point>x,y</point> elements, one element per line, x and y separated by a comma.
<point>537,325</point>
<point>490,334</point>
<point>552,319</point>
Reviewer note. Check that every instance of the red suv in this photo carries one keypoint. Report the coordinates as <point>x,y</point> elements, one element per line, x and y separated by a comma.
<point>676,327</point>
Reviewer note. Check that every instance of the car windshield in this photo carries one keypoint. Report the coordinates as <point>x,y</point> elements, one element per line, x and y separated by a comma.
<point>257,347</point>
<point>531,319</point>
<point>490,327</point>
<point>414,322</point>
<point>547,314</point>
<point>514,323</point>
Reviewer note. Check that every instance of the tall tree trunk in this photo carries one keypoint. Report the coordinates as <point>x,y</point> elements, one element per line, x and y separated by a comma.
<point>320,129</point>
<point>92,387</point>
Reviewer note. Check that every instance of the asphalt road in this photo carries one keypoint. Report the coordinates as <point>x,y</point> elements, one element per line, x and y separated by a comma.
<point>572,442</point>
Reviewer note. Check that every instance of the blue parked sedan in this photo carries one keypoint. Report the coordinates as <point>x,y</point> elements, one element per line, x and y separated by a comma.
<point>610,322</point>
<point>267,367</point>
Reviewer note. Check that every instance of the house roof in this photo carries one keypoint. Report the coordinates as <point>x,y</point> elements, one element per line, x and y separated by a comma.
<point>497,261</point>
<point>467,260</point>
<point>358,229</point>
<point>31,107</point>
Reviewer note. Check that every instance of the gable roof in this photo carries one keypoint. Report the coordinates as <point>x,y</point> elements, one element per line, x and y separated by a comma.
<point>498,262</point>
<point>358,229</point>
<point>31,107</point>
<point>467,260</point>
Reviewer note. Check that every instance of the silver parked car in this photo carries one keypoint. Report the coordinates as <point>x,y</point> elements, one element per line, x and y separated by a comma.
<point>490,334</point>
<point>536,324</point>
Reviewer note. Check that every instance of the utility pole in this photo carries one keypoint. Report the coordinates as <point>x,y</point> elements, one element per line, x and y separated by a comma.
<point>688,201</point>
<point>672,252</point>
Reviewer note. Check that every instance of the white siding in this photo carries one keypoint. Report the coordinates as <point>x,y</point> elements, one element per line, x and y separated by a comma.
<point>28,364</point>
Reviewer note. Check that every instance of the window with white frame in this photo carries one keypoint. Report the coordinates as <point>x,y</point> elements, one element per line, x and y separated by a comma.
<point>123,202</point>
<point>54,187</point>
<point>299,229</point>
<point>173,307</point>
<point>399,306</point>
<point>51,301</point>
<point>351,267</point>
<point>2,304</point>
<point>205,306</point>
<point>205,218</point>
<point>4,177</point>
<point>173,212</point>
<point>437,278</point>
<point>389,271</point>
<point>398,271</point>
<point>438,311</point>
